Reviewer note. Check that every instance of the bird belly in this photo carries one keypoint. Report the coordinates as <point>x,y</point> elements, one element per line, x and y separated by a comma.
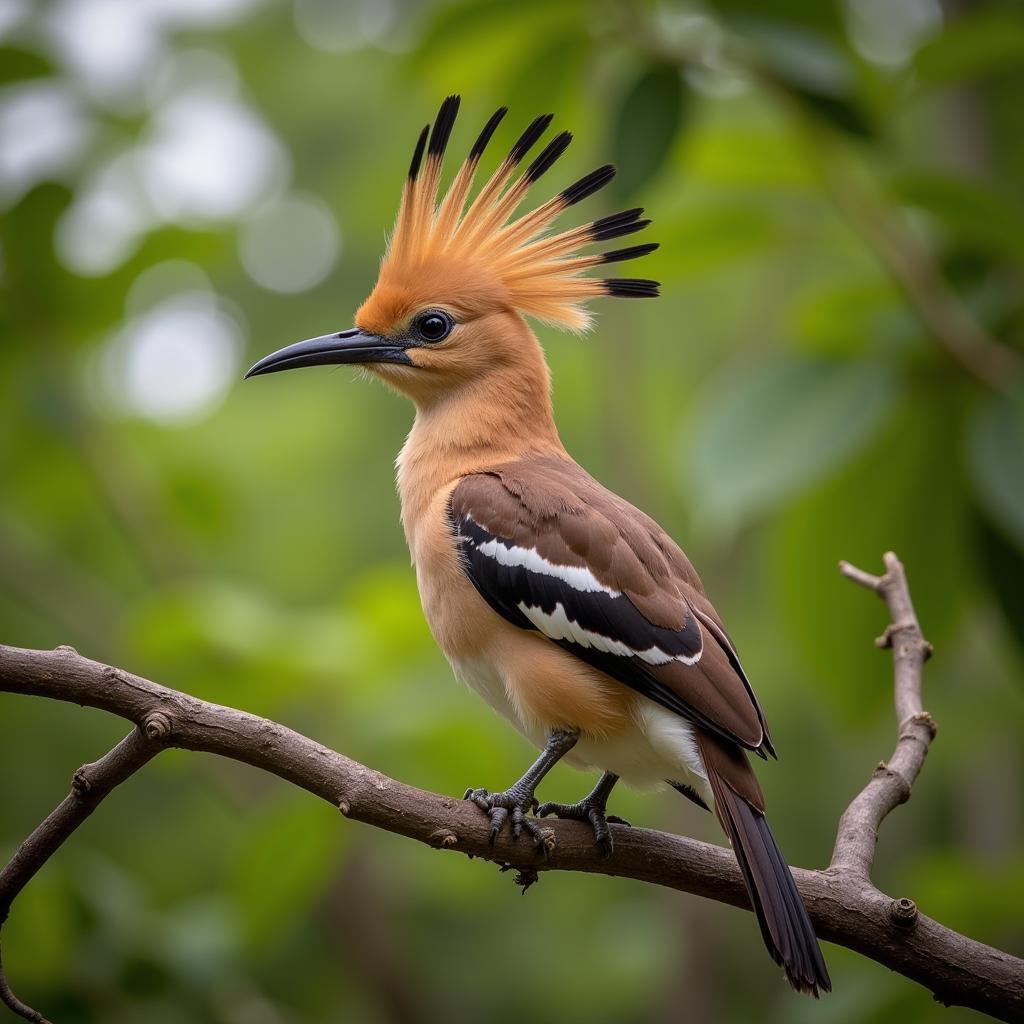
<point>660,748</point>
<point>483,677</point>
<point>653,747</point>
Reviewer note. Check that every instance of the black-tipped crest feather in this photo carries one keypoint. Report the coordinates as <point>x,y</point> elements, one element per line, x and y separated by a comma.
<point>622,217</point>
<point>529,138</point>
<point>631,287</point>
<point>632,252</point>
<point>587,185</point>
<point>443,125</point>
<point>616,225</point>
<point>548,155</point>
<point>417,154</point>
<point>542,269</point>
<point>485,135</point>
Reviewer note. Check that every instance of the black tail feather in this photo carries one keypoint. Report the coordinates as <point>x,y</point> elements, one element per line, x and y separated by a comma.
<point>785,926</point>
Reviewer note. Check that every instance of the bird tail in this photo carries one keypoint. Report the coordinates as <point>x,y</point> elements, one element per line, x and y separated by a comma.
<point>785,926</point>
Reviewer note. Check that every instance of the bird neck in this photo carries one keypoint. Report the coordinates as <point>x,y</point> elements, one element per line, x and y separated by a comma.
<point>503,415</point>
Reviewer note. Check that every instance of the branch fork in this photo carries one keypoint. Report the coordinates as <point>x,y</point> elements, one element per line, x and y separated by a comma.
<point>843,903</point>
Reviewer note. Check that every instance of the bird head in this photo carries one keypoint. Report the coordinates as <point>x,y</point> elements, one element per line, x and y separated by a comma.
<point>462,271</point>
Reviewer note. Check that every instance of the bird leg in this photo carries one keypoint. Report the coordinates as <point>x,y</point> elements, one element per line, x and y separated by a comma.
<point>591,808</point>
<point>518,799</point>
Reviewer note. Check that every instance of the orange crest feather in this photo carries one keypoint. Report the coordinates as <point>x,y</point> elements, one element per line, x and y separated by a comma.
<point>540,273</point>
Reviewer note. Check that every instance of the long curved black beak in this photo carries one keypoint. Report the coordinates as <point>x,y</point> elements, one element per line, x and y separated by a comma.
<point>352,346</point>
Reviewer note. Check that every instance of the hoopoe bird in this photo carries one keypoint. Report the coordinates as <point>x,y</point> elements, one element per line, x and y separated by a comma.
<point>568,610</point>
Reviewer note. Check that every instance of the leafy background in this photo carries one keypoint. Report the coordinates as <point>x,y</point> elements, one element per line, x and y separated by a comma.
<point>187,185</point>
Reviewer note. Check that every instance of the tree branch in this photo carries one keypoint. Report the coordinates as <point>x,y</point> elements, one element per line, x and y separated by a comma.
<point>891,782</point>
<point>844,906</point>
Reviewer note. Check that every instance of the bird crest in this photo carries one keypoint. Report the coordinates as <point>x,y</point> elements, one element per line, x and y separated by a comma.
<point>537,272</point>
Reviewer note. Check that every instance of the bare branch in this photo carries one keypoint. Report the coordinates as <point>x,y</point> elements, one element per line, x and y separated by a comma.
<point>844,906</point>
<point>891,781</point>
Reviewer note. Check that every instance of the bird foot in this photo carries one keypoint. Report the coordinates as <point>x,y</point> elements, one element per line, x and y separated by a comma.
<point>512,805</point>
<point>590,810</point>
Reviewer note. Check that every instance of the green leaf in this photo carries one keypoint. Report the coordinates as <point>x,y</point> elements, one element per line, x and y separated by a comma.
<point>770,433</point>
<point>782,15</point>
<point>996,461</point>
<point>980,44</point>
<point>16,65</point>
<point>973,213</point>
<point>650,115</point>
<point>903,495</point>
<point>836,111</point>
<point>1003,563</point>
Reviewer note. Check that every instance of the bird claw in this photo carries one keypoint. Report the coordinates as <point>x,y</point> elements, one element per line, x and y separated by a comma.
<point>508,806</point>
<point>590,811</point>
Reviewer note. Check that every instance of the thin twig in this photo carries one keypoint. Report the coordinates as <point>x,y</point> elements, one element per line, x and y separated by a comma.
<point>844,907</point>
<point>90,784</point>
<point>891,781</point>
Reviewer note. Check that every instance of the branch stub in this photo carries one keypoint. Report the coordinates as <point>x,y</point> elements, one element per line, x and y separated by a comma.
<point>903,912</point>
<point>157,726</point>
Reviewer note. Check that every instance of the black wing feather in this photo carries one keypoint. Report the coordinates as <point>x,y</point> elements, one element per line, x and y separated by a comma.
<point>504,587</point>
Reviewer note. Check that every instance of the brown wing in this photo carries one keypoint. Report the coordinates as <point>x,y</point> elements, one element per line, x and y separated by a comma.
<point>550,549</point>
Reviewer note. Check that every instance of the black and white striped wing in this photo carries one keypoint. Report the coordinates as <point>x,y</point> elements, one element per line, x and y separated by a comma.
<point>537,581</point>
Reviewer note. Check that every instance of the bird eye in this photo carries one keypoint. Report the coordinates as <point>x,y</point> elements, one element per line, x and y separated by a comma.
<point>434,325</point>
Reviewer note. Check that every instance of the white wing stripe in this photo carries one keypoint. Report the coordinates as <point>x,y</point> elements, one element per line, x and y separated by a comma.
<point>577,577</point>
<point>558,626</point>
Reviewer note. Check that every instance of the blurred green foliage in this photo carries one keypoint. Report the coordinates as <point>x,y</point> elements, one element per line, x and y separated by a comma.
<point>788,402</point>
